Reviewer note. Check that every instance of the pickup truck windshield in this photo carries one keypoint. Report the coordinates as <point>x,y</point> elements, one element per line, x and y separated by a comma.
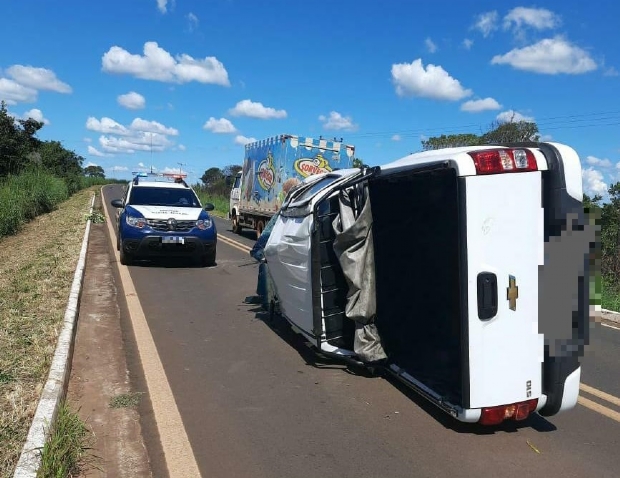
<point>147,196</point>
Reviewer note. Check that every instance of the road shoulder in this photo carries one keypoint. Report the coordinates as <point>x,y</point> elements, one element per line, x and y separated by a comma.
<point>99,373</point>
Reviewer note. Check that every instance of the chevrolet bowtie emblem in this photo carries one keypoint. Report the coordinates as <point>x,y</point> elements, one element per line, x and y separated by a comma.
<point>512,293</point>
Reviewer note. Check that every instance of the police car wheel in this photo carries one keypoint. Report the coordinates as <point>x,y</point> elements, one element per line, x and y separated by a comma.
<point>208,259</point>
<point>125,258</point>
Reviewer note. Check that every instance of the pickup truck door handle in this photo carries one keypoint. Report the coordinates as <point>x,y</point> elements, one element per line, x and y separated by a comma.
<point>487,295</point>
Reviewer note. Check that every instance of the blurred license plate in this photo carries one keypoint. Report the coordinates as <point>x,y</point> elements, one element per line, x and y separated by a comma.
<point>172,240</point>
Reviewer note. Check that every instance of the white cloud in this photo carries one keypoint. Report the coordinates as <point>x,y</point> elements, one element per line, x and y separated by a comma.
<point>169,170</point>
<point>433,82</point>
<point>430,46</point>
<point>94,151</point>
<point>243,140</point>
<point>476,106</point>
<point>486,23</point>
<point>141,164</point>
<point>88,140</point>
<point>35,114</point>
<point>537,18</point>
<point>159,65</point>
<point>593,182</point>
<point>106,126</point>
<point>549,56</point>
<point>182,147</point>
<point>254,109</point>
<point>467,43</point>
<point>140,135</point>
<point>594,161</point>
<point>335,121</point>
<point>90,163</point>
<point>140,124</point>
<point>221,125</point>
<point>611,71</point>
<point>141,141</point>
<point>511,116</point>
<point>162,6</point>
<point>192,21</point>
<point>396,137</point>
<point>13,93</point>
<point>37,78</point>
<point>132,100</point>
<point>119,168</point>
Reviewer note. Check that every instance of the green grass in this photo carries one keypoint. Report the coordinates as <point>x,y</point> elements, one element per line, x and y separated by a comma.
<point>126,400</point>
<point>609,294</point>
<point>36,273</point>
<point>67,451</point>
<point>221,203</point>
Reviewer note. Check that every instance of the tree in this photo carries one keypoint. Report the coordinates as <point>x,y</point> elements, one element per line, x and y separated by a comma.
<point>450,141</point>
<point>231,170</point>
<point>211,176</point>
<point>499,132</point>
<point>94,171</point>
<point>17,141</point>
<point>358,163</point>
<point>511,132</point>
<point>60,161</point>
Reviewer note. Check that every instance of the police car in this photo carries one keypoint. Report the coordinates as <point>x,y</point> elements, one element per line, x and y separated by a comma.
<point>161,216</point>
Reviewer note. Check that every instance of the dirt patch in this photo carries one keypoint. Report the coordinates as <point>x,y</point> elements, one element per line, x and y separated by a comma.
<point>99,372</point>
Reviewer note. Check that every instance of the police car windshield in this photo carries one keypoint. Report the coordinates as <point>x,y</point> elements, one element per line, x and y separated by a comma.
<point>153,196</point>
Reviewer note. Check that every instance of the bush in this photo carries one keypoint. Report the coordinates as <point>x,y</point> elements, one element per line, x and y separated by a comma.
<point>26,196</point>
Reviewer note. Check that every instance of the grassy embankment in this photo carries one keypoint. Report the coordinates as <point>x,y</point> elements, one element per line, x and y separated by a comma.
<point>41,232</point>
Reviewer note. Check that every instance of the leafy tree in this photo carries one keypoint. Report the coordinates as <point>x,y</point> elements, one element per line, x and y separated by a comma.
<point>358,163</point>
<point>231,170</point>
<point>510,132</point>
<point>17,142</point>
<point>450,141</point>
<point>211,176</point>
<point>94,171</point>
<point>60,161</point>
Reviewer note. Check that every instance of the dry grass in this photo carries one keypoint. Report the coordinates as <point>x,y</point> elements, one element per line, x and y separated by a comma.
<point>36,272</point>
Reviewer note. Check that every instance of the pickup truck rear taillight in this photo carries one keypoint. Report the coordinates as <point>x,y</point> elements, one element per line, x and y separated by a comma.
<point>494,161</point>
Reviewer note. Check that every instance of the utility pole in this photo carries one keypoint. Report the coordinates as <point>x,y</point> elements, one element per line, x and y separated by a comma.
<point>181,167</point>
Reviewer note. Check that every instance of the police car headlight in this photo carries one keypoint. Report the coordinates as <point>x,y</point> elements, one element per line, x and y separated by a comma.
<point>203,224</point>
<point>138,222</point>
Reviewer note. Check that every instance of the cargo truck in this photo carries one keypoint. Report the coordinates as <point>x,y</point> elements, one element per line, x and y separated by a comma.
<point>272,167</point>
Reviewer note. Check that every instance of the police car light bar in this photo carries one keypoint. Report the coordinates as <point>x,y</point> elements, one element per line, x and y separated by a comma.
<point>494,161</point>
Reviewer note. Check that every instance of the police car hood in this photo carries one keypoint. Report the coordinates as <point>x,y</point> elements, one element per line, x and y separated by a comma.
<point>166,212</point>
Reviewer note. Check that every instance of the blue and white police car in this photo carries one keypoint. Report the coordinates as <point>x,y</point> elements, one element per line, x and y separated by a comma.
<point>161,216</point>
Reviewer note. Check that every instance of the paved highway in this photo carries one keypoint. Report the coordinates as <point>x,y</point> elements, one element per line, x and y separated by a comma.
<point>255,402</point>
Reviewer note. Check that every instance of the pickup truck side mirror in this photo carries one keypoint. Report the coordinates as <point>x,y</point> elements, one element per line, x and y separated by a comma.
<point>117,203</point>
<point>209,207</point>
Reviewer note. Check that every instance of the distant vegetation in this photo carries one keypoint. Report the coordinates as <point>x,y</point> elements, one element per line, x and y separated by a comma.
<point>35,175</point>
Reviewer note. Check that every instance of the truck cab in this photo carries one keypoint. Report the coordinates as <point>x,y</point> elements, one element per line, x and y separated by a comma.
<point>235,196</point>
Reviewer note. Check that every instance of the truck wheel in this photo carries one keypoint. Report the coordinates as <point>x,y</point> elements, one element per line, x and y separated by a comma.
<point>260,226</point>
<point>236,228</point>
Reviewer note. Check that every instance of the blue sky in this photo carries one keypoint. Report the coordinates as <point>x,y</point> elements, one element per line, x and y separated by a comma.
<point>199,78</point>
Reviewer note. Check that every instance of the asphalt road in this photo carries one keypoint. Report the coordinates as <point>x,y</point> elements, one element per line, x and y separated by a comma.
<point>255,402</point>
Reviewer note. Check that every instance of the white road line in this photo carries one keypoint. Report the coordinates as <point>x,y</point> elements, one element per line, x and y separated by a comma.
<point>178,453</point>
<point>611,326</point>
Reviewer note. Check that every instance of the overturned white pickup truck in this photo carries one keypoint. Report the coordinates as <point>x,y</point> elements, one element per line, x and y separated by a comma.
<point>463,272</point>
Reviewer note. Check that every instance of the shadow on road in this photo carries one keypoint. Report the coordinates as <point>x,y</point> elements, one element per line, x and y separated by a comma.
<point>313,358</point>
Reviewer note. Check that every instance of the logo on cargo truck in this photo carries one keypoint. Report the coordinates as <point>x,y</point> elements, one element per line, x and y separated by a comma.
<point>310,166</point>
<point>266,173</point>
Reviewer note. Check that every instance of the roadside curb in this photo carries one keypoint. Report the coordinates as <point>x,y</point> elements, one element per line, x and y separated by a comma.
<point>56,385</point>
<point>607,314</point>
